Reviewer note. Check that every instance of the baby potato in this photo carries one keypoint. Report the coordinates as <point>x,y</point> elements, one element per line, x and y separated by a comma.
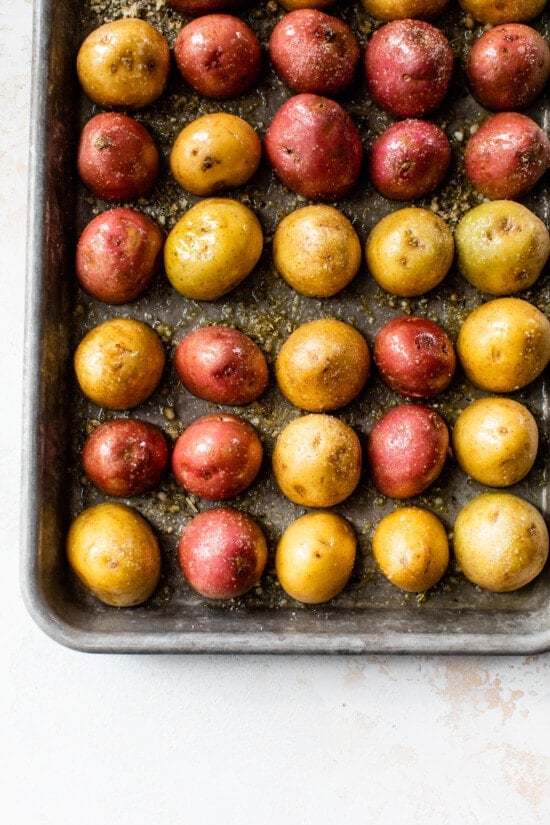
<point>317,460</point>
<point>315,557</point>
<point>124,63</point>
<point>115,553</point>
<point>505,11</point>
<point>411,548</point>
<point>214,152</point>
<point>119,363</point>
<point>323,365</point>
<point>500,541</point>
<point>495,441</point>
<point>316,250</point>
<point>409,251</point>
<point>212,248</point>
<point>501,247</point>
<point>402,9</point>
<point>504,344</point>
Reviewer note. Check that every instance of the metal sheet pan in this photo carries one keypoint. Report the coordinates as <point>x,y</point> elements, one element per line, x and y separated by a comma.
<point>371,615</point>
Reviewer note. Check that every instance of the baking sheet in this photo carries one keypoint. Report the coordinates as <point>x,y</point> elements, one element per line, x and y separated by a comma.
<point>370,615</point>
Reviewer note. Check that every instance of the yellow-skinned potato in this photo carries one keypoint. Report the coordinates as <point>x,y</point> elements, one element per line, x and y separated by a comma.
<point>316,250</point>
<point>212,248</point>
<point>115,553</point>
<point>402,9</point>
<point>495,440</point>
<point>315,557</point>
<point>124,63</point>
<point>411,548</point>
<point>500,541</point>
<point>504,344</point>
<point>215,152</point>
<point>503,11</point>
<point>501,247</point>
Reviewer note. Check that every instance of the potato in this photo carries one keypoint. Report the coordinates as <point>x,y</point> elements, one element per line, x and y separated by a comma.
<point>401,9</point>
<point>212,248</point>
<point>217,456</point>
<point>314,52</point>
<point>500,541</point>
<point>118,255</point>
<point>222,553</point>
<point>495,441</point>
<point>411,548</point>
<point>215,152</point>
<point>407,449</point>
<point>124,63</point>
<point>118,159</point>
<point>408,67</point>
<point>115,553</point>
<point>218,55</point>
<point>195,8</point>
<point>323,365</point>
<point>290,5</point>
<point>317,250</point>
<point>503,11</point>
<point>314,147</point>
<point>222,365</point>
<point>508,67</point>
<point>501,247</point>
<point>125,456</point>
<point>409,251</point>
<point>317,460</point>
<point>119,363</point>
<point>504,344</point>
<point>315,557</point>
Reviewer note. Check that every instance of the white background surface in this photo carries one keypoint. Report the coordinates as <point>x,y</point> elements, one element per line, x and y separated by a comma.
<point>100,739</point>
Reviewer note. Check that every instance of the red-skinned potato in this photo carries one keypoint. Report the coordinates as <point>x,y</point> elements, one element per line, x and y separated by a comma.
<point>407,449</point>
<point>314,147</point>
<point>125,456</point>
<point>222,365</point>
<point>408,67</point>
<point>508,67</point>
<point>414,356</point>
<point>314,52</point>
<point>222,553</point>
<point>409,160</point>
<point>507,156</point>
<point>118,255</point>
<point>218,55</point>
<point>117,158</point>
<point>218,456</point>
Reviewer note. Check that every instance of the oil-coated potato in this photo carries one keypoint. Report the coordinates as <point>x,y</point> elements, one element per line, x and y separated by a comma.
<point>323,365</point>
<point>290,5</point>
<point>115,553</point>
<point>317,250</point>
<point>124,63</point>
<point>504,344</point>
<point>409,251</point>
<point>501,247</point>
<point>194,8</point>
<point>215,152</point>
<point>212,248</point>
<point>401,9</point>
<point>500,541</point>
<point>315,557</point>
<point>119,363</point>
<point>503,11</point>
<point>317,460</point>
<point>411,548</point>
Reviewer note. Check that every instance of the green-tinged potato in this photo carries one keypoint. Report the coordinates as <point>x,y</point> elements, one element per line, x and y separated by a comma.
<point>402,9</point>
<point>323,365</point>
<point>411,548</point>
<point>316,250</point>
<point>119,363</point>
<point>495,441</point>
<point>501,247</point>
<point>503,11</point>
<point>124,63</point>
<point>215,152</point>
<point>317,460</point>
<point>315,557</point>
<point>115,553</point>
<point>504,344</point>
<point>500,541</point>
<point>409,251</point>
<point>212,248</point>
